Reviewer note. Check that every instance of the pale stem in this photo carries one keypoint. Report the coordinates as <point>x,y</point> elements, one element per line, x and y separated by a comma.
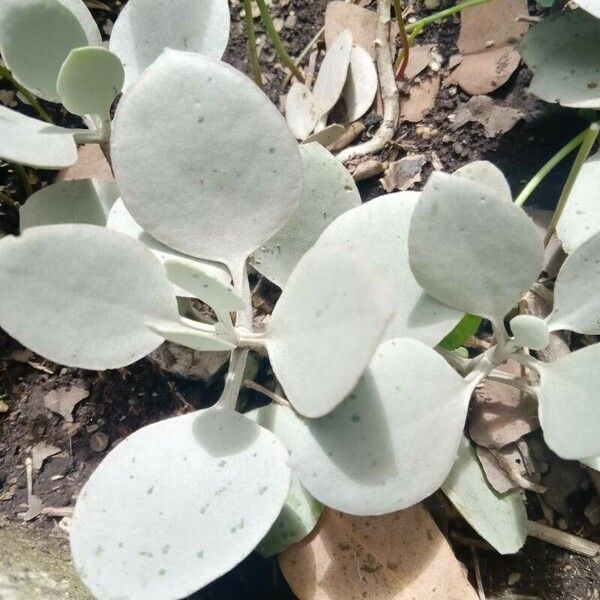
<point>105,143</point>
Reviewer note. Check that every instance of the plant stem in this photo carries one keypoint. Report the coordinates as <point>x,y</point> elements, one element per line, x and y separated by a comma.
<point>8,201</point>
<point>402,59</point>
<point>543,172</point>
<point>6,74</point>
<point>272,34</point>
<point>442,14</point>
<point>252,54</point>
<point>22,175</point>
<point>589,138</point>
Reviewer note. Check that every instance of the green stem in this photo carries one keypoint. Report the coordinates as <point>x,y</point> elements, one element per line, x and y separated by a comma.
<point>541,174</point>
<point>22,175</point>
<point>250,34</point>
<point>272,34</point>
<point>6,74</point>
<point>8,201</point>
<point>590,137</point>
<point>442,14</point>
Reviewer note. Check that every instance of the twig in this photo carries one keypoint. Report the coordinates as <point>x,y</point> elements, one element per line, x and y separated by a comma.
<point>22,175</point>
<point>58,511</point>
<point>389,90</point>
<point>268,393</point>
<point>250,35</point>
<point>303,55</point>
<point>559,538</point>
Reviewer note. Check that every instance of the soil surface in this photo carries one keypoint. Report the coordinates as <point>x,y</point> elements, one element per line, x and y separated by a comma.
<point>121,401</point>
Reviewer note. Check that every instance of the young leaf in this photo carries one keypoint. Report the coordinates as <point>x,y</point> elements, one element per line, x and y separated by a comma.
<point>361,85</point>
<point>81,201</point>
<point>466,328</point>
<point>89,81</point>
<point>332,73</point>
<point>80,295</point>
<point>301,511</point>
<point>379,228</point>
<point>394,439</point>
<point>458,248</point>
<point>563,51</point>
<point>119,219</point>
<point>577,291</point>
<point>328,190</point>
<point>178,504</point>
<point>145,28</point>
<point>34,143</point>
<point>530,332</point>
<point>580,219</point>
<point>500,520</point>
<point>230,171</point>
<point>483,171</point>
<point>333,311</point>
<point>86,20</point>
<point>35,38</point>
<point>300,112</point>
<point>569,410</point>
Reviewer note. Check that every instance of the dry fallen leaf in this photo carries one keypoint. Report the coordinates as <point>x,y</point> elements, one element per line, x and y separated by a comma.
<point>63,400</point>
<point>482,109</point>
<point>40,452</point>
<point>404,173</point>
<point>494,473</point>
<point>34,509</point>
<point>488,34</point>
<point>421,99</point>
<point>419,58</point>
<point>91,163</point>
<point>328,136</point>
<point>400,556</point>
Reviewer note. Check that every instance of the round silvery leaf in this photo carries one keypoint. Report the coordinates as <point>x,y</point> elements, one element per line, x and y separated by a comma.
<point>563,51</point>
<point>568,404</point>
<point>301,511</point>
<point>577,291</point>
<point>361,85</point>
<point>393,441</point>
<point>333,311</point>
<point>458,248</point>
<point>530,332</point>
<point>34,143</point>
<point>591,6</point>
<point>119,219</point>
<point>333,73</point>
<point>178,504</point>
<point>379,229</point>
<point>89,81</point>
<point>328,190</point>
<point>580,219</point>
<point>500,520</point>
<point>230,172</point>
<point>145,28</point>
<point>300,112</point>
<point>80,295</point>
<point>86,20</point>
<point>80,201</point>
<point>35,38</point>
<point>483,171</point>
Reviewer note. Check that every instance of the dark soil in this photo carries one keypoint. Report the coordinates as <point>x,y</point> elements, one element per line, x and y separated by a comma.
<point>120,402</point>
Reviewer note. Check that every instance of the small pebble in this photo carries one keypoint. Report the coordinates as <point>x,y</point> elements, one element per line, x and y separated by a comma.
<point>99,442</point>
<point>4,408</point>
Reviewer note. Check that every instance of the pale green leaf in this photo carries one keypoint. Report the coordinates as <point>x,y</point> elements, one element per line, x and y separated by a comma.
<point>300,112</point>
<point>361,85</point>
<point>530,332</point>
<point>483,171</point>
<point>178,504</point>
<point>86,20</point>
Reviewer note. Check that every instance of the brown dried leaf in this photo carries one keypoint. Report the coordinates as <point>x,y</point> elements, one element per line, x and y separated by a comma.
<point>34,509</point>
<point>421,100</point>
<point>482,109</point>
<point>40,452</point>
<point>404,173</point>
<point>91,163</point>
<point>488,35</point>
<point>400,556</point>
<point>494,473</point>
<point>419,58</point>
<point>63,400</point>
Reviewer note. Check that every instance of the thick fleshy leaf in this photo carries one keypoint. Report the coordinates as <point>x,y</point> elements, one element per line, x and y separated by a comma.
<point>569,410</point>
<point>89,81</point>
<point>458,250</point>
<point>591,6</point>
<point>333,73</point>
<point>500,520</point>
<point>361,85</point>
<point>300,112</point>
<point>393,441</point>
<point>145,28</point>
<point>466,328</point>
<point>119,219</point>
<point>230,171</point>
<point>328,190</point>
<point>35,38</point>
<point>530,332</point>
<point>301,511</point>
<point>563,51</point>
<point>379,229</point>
<point>333,311</point>
<point>80,295</point>
<point>178,504</point>
<point>580,219</point>
<point>34,143</point>
<point>577,291</point>
<point>86,20</point>
<point>81,201</point>
<point>483,171</point>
